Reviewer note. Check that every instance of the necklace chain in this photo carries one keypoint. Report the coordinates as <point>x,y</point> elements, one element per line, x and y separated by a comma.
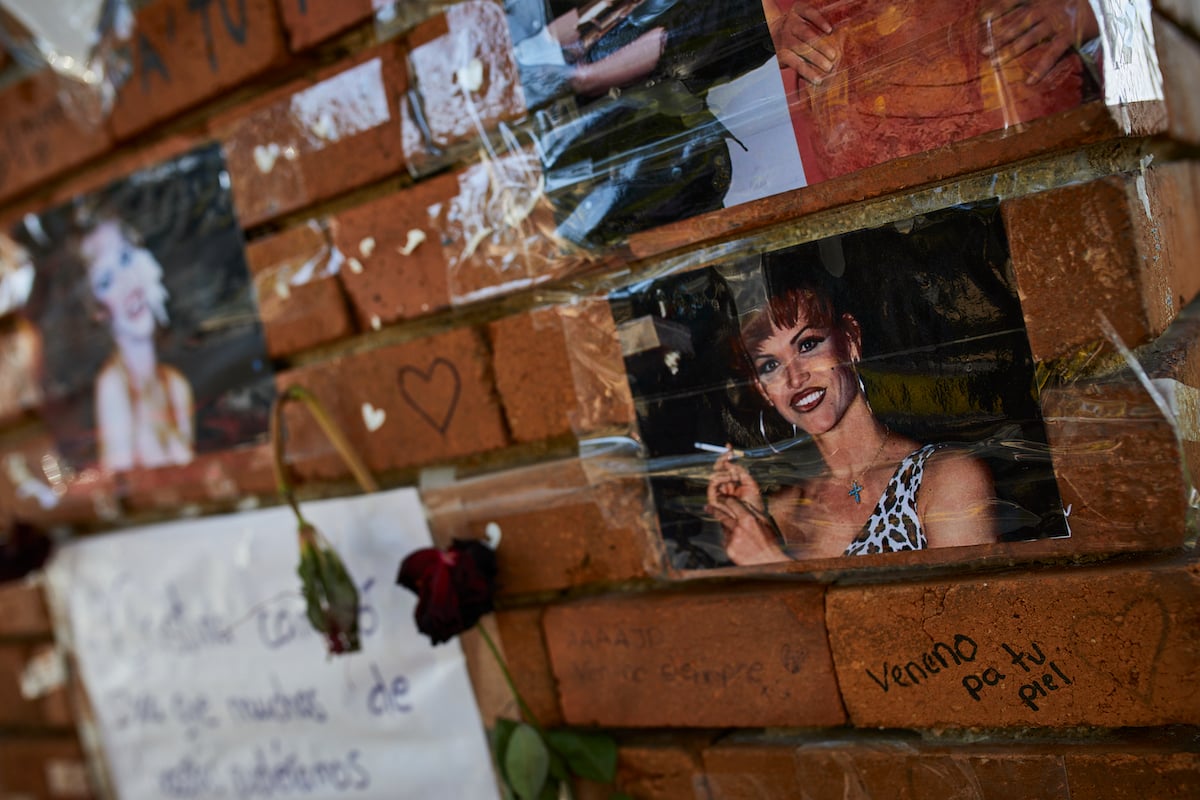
<point>856,486</point>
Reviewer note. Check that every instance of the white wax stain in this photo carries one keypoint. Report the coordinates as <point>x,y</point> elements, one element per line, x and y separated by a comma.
<point>344,105</point>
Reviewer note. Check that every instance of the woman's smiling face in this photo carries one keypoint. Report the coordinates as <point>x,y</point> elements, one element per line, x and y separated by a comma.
<point>806,371</point>
<point>126,279</point>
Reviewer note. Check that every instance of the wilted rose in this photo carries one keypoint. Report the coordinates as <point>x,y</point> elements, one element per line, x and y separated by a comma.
<point>454,587</point>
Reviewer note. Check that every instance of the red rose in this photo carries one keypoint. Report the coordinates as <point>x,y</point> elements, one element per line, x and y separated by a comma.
<point>454,586</point>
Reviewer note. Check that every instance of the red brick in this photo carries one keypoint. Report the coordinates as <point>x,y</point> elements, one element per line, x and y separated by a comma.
<point>209,478</point>
<point>1122,465</point>
<point>1185,13</point>
<point>1169,776</point>
<point>498,231</point>
<point>296,146</point>
<point>517,633</point>
<point>43,137</point>
<point>72,497</point>
<point>20,360</point>
<point>186,52</point>
<point>475,30</point>
<point>913,770</point>
<point>747,658</point>
<point>658,773</point>
<point>311,21</point>
<point>1126,639</point>
<point>1104,240</point>
<point>1179,60</point>
<point>122,163</point>
<point>48,705</point>
<point>992,152</point>
<point>383,283</point>
<point>560,371</point>
<point>23,609</point>
<point>435,395</point>
<point>51,768</point>
<point>561,524</point>
<point>299,299</point>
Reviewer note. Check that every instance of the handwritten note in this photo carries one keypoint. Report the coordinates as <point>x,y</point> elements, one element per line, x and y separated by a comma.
<point>208,682</point>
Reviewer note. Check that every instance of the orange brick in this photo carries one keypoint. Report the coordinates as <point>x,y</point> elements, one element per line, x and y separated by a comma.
<point>654,773</point>
<point>311,21</point>
<point>560,371</point>
<point>43,137</point>
<point>315,138</point>
<point>188,51</point>
<point>432,400</point>
<point>1179,60</point>
<point>560,526</point>
<point>1106,241</point>
<point>23,610</point>
<point>518,635</point>
<point>39,489</point>
<point>42,701</point>
<point>51,768</point>
<point>123,163</point>
<point>476,30</point>
<point>498,231</point>
<point>746,658</point>
<point>390,279</point>
<point>1102,647</point>
<point>299,299</point>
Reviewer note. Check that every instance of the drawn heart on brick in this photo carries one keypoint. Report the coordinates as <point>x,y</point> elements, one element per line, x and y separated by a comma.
<point>433,393</point>
<point>1125,646</point>
<point>373,417</point>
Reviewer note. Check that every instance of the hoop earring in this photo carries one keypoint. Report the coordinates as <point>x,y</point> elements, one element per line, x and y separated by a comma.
<point>762,428</point>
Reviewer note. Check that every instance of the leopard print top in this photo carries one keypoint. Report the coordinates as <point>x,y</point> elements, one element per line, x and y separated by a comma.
<point>894,524</point>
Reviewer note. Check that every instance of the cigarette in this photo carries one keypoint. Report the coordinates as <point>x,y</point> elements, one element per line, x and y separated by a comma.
<point>716,448</point>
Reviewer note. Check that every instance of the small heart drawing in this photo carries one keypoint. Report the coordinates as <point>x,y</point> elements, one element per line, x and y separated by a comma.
<point>373,417</point>
<point>264,157</point>
<point>1125,646</point>
<point>433,393</point>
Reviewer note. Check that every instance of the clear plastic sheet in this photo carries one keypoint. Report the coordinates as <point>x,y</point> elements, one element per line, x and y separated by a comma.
<point>83,41</point>
<point>864,393</point>
<point>647,112</point>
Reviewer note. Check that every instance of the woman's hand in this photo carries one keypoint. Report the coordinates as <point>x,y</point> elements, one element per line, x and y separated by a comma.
<point>1045,29</point>
<point>736,501</point>
<point>804,42</point>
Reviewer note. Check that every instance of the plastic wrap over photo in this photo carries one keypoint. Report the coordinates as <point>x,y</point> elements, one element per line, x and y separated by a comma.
<point>645,112</point>
<point>868,393</point>
<point>152,346</point>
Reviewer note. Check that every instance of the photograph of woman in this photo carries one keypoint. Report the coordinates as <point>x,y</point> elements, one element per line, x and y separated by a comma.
<point>869,393</point>
<point>803,353</point>
<point>153,351</point>
<point>144,408</point>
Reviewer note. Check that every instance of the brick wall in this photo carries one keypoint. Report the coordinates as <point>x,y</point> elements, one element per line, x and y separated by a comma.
<point>1049,669</point>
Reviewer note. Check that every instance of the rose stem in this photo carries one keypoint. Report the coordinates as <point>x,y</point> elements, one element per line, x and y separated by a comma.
<point>525,710</point>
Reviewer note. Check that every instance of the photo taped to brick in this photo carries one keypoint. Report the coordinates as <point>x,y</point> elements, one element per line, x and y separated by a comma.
<point>648,112</point>
<point>866,393</point>
<point>152,348</point>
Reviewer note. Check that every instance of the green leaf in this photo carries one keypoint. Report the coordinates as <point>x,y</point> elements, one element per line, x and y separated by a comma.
<point>558,766</point>
<point>589,755</point>
<point>501,733</point>
<point>527,762</point>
